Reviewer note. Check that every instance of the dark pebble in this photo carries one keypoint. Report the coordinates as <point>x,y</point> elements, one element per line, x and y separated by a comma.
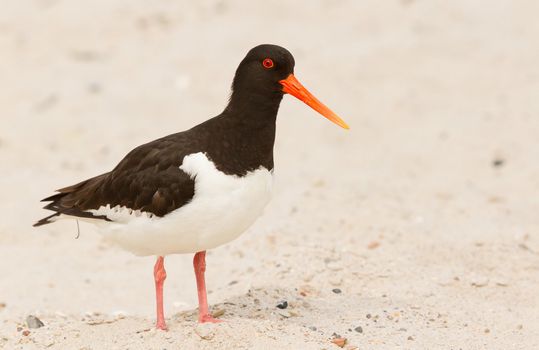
<point>498,162</point>
<point>282,305</point>
<point>358,329</point>
<point>336,291</point>
<point>368,316</point>
<point>312,328</point>
<point>34,322</point>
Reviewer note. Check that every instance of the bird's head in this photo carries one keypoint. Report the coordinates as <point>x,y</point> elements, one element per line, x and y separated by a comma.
<point>268,72</point>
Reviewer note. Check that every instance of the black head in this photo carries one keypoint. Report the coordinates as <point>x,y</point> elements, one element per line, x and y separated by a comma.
<point>261,80</point>
<point>262,69</point>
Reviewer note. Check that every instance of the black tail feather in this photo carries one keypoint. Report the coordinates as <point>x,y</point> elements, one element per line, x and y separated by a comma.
<point>53,198</point>
<point>66,201</point>
<point>46,220</point>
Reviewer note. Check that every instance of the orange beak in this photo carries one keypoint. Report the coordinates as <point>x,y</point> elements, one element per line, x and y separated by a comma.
<point>293,87</point>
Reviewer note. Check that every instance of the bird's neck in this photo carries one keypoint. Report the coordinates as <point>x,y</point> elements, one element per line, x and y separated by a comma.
<point>253,109</point>
<point>247,134</point>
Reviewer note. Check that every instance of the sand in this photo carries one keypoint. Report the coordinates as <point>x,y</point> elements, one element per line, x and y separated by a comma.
<point>416,229</point>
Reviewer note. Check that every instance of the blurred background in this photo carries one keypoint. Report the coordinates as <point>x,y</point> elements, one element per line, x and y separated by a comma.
<point>424,216</point>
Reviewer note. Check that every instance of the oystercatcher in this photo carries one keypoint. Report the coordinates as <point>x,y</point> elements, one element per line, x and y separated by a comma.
<point>197,189</point>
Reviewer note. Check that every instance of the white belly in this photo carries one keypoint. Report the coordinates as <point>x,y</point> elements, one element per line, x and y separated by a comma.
<point>223,207</point>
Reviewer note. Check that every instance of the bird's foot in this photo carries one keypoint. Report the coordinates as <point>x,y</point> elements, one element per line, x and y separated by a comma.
<point>161,325</point>
<point>208,319</point>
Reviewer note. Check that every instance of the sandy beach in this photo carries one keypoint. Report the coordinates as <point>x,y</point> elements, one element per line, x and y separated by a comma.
<point>416,229</point>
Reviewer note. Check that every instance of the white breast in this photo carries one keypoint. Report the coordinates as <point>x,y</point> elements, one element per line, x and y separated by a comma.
<point>223,207</point>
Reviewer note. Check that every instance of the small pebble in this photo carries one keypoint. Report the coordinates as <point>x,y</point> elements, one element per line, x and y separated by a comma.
<point>358,329</point>
<point>340,342</point>
<point>368,316</point>
<point>313,328</point>
<point>498,162</point>
<point>26,332</point>
<point>410,338</point>
<point>487,330</point>
<point>373,245</point>
<point>205,330</point>
<point>218,313</point>
<point>33,322</point>
<point>336,290</point>
<point>282,305</point>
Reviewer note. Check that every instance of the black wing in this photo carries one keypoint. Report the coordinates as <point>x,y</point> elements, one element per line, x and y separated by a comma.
<point>147,179</point>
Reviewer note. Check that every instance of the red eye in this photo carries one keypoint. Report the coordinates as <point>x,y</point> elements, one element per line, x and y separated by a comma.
<point>267,63</point>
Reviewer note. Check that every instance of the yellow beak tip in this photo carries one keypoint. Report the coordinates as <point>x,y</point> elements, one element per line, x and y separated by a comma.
<point>342,124</point>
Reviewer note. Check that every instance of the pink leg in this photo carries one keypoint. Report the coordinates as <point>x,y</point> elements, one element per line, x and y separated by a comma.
<point>160,275</point>
<point>199,262</point>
